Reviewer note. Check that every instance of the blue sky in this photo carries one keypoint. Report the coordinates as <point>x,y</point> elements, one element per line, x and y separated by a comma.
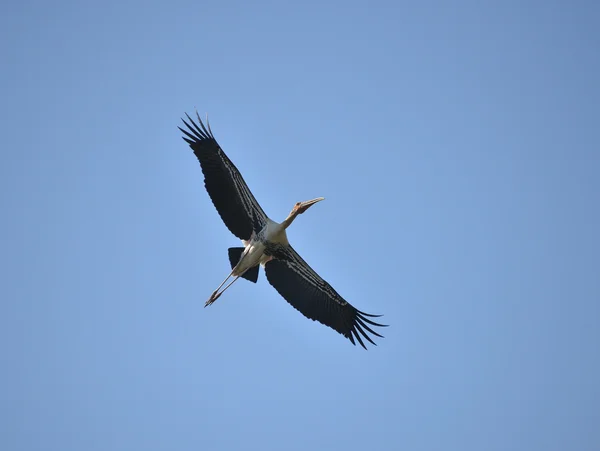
<point>457,146</point>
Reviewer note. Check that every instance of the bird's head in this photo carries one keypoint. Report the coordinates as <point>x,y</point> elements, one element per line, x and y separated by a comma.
<point>301,207</point>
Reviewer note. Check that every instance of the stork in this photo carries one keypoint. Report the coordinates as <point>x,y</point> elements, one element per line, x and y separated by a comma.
<point>266,244</point>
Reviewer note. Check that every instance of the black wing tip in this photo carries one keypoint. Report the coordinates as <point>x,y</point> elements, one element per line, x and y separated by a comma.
<point>194,131</point>
<point>360,329</point>
<point>368,314</point>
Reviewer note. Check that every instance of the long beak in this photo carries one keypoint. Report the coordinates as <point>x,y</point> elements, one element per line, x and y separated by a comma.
<point>304,205</point>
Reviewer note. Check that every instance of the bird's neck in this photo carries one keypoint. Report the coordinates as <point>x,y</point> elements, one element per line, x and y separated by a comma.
<point>286,223</point>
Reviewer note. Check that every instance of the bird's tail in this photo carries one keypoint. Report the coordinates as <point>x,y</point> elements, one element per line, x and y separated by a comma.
<point>235,253</point>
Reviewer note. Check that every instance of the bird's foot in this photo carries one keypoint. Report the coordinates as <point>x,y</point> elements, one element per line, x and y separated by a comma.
<point>213,297</point>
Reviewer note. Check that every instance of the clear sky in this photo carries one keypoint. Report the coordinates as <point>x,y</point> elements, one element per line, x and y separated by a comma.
<point>457,145</point>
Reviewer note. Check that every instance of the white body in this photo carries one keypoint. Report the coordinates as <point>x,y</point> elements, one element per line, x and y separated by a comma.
<point>254,249</point>
<point>254,252</point>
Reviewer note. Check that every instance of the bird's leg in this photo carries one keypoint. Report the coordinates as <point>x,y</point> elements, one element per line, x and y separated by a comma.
<point>217,293</point>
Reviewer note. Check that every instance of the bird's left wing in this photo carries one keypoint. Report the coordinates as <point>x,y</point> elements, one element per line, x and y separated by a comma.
<point>229,193</point>
<point>312,296</point>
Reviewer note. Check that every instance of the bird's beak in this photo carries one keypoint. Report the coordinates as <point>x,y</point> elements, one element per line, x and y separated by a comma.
<point>304,205</point>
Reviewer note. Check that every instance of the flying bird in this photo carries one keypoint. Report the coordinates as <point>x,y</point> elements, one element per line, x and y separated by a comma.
<point>266,244</point>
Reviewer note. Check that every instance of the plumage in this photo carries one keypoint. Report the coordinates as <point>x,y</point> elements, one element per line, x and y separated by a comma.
<point>226,187</point>
<point>312,296</point>
<point>235,253</point>
<point>265,243</point>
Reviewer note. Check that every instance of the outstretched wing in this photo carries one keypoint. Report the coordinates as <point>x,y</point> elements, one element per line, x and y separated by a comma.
<point>312,296</point>
<point>226,187</point>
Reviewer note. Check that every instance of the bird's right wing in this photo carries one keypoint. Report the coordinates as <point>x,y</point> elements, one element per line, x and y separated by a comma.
<point>226,187</point>
<point>312,296</point>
